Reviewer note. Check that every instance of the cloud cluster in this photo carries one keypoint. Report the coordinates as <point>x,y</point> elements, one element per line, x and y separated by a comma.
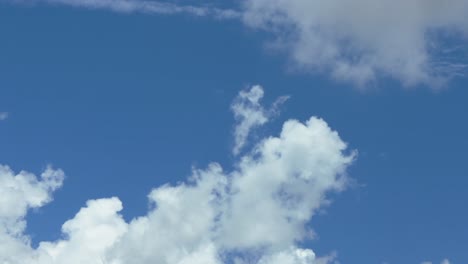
<point>19,193</point>
<point>362,40</point>
<point>257,213</point>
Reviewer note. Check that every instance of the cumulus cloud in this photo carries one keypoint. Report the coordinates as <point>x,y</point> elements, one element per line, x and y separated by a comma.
<point>256,213</point>
<point>362,40</point>
<point>19,193</point>
<point>145,6</point>
<point>249,113</point>
<point>3,115</point>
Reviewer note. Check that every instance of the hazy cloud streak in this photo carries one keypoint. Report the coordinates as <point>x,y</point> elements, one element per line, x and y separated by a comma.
<point>148,7</point>
<point>3,115</point>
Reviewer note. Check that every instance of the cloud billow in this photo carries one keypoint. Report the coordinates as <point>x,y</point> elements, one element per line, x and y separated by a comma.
<point>256,213</point>
<point>363,40</point>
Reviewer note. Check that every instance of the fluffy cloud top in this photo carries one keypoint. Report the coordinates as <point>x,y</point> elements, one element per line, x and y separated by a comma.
<point>361,40</point>
<point>256,213</point>
<point>19,193</point>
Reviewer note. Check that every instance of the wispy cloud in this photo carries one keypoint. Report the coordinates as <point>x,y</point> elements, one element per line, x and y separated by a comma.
<point>445,261</point>
<point>148,7</point>
<point>3,115</point>
<point>413,41</point>
<point>249,114</point>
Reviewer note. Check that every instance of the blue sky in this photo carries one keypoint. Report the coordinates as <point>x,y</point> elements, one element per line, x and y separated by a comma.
<point>126,102</point>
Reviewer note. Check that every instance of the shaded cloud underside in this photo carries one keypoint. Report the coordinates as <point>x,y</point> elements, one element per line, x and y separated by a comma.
<point>362,40</point>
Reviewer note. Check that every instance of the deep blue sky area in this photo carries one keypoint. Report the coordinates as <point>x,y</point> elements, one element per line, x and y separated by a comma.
<point>124,103</point>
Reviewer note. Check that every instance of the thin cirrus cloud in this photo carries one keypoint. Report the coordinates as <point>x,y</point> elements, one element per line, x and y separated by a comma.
<point>416,42</point>
<point>284,181</point>
<point>147,7</point>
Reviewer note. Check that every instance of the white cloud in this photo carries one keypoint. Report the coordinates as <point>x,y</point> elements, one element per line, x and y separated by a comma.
<point>3,115</point>
<point>283,182</point>
<point>249,114</point>
<point>292,256</point>
<point>363,40</point>
<point>93,231</point>
<point>256,213</point>
<point>148,7</point>
<point>19,193</point>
